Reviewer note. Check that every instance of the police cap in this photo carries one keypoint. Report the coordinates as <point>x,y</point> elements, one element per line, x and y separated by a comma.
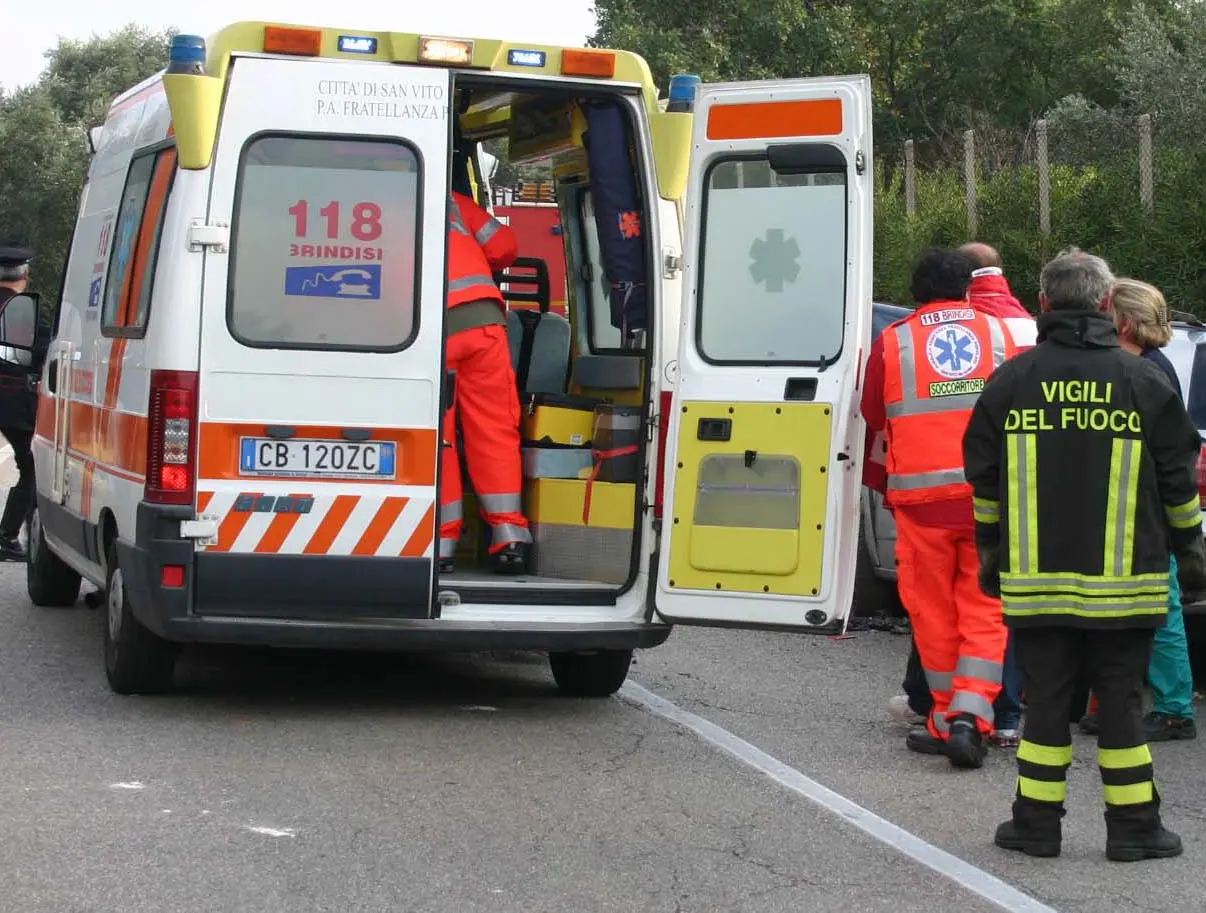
<point>14,254</point>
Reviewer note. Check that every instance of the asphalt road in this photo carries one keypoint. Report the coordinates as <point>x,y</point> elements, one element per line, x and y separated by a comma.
<point>319,782</point>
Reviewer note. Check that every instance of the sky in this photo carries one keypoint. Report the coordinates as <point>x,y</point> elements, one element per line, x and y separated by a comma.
<point>41,22</point>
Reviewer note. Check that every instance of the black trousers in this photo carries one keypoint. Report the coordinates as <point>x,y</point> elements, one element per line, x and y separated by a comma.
<point>20,496</point>
<point>1052,661</point>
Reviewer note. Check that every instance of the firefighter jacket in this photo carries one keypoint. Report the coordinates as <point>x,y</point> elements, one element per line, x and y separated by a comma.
<point>1082,460</point>
<point>936,362</point>
<point>478,246</point>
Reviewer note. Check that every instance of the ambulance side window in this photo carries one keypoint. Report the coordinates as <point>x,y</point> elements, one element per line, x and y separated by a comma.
<point>772,275</point>
<point>325,245</point>
<point>130,279</point>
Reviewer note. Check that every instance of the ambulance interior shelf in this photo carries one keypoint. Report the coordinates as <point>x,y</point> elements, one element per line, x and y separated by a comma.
<point>582,454</point>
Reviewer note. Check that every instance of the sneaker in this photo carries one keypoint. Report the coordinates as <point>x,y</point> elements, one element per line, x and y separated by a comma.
<point>923,741</point>
<point>11,549</point>
<point>899,710</point>
<point>1160,844</point>
<point>1161,727</point>
<point>1088,724</point>
<point>1008,837</point>
<point>1006,738</point>
<point>965,747</point>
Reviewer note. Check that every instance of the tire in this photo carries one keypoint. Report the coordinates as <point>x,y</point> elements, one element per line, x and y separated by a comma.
<point>136,660</point>
<point>597,674</point>
<point>873,595</point>
<point>51,583</point>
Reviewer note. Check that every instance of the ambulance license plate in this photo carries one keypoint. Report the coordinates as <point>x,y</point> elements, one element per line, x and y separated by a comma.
<point>313,459</point>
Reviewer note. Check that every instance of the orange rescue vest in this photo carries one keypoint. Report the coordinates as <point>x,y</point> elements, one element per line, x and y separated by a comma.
<point>936,362</point>
<point>470,277</point>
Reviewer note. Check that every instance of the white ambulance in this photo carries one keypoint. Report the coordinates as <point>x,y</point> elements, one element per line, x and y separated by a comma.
<point>238,432</point>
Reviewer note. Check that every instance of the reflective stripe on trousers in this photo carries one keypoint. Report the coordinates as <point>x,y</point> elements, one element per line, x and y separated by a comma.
<point>1043,771</point>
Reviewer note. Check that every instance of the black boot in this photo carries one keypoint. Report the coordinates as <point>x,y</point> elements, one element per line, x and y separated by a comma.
<point>1011,837</point>
<point>1160,727</point>
<point>11,549</point>
<point>965,748</point>
<point>447,565</point>
<point>511,560</point>
<point>1160,843</point>
<point>922,741</point>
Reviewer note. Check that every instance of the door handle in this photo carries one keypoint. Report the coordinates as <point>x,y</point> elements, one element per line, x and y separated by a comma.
<point>52,376</point>
<point>800,389</point>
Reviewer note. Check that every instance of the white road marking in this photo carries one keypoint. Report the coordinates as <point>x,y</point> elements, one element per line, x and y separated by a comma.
<point>966,875</point>
<point>270,831</point>
<point>133,784</point>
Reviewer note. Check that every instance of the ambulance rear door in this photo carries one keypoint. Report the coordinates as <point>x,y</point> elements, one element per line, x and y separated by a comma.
<point>764,455</point>
<point>321,344</point>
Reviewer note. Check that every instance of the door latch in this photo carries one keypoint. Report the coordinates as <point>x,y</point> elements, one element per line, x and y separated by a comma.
<point>671,262</point>
<point>203,530</point>
<point>203,235</point>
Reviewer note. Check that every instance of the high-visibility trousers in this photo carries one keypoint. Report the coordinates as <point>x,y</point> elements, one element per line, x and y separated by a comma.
<point>487,404</point>
<point>960,632</point>
<point>1051,660</point>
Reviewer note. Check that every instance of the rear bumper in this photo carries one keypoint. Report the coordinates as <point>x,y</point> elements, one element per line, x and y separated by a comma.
<point>323,602</point>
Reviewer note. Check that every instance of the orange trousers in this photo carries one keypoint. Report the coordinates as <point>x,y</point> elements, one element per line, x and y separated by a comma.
<point>486,401</point>
<point>960,632</point>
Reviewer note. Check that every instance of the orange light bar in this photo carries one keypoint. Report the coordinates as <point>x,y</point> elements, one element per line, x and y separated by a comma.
<point>299,42</point>
<point>584,62</point>
<point>773,119</point>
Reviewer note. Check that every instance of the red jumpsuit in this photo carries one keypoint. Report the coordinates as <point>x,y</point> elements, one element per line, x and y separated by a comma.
<point>485,397</point>
<point>922,380</point>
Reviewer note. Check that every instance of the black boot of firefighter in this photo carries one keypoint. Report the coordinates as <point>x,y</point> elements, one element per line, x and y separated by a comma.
<point>965,747</point>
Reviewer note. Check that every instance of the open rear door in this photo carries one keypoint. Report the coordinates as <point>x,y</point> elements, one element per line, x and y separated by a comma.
<point>764,455</point>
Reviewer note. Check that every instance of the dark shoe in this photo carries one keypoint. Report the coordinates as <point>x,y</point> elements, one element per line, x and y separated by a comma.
<point>447,565</point>
<point>11,549</point>
<point>1160,844</point>
<point>1162,728</point>
<point>923,741</point>
<point>1088,724</point>
<point>1010,838</point>
<point>511,560</point>
<point>965,747</point>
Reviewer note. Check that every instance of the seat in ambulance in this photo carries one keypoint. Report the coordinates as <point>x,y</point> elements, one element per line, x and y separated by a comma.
<point>540,340</point>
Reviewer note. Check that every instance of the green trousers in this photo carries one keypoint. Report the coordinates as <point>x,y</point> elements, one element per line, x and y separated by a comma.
<point>1169,672</point>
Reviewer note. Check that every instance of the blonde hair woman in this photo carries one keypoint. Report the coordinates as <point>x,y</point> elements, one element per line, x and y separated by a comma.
<point>1141,315</point>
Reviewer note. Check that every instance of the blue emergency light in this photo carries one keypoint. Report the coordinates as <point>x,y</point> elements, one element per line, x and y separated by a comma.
<point>683,87</point>
<point>186,55</point>
<point>357,44</point>
<point>521,58</point>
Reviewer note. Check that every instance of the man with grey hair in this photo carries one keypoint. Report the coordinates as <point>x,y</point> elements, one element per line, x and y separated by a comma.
<point>1082,464</point>
<point>18,409</point>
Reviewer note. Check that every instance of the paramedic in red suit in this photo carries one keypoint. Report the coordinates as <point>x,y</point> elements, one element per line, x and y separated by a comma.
<point>922,380</point>
<point>484,393</point>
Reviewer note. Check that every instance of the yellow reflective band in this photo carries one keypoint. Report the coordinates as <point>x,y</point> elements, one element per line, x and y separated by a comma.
<point>1123,758</point>
<point>1023,501</point>
<point>1043,790</point>
<point>1092,581</point>
<point>986,511</point>
<point>1134,794</point>
<point>1121,497</point>
<point>1027,610</point>
<point>1116,591</point>
<point>1045,755</point>
<point>1184,516</point>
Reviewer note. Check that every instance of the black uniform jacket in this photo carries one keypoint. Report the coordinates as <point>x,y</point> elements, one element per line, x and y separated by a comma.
<point>1083,465</point>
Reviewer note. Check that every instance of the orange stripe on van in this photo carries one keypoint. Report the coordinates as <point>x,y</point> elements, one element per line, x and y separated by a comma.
<point>380,526</point>
<point>278,530</point>
<point>137,97</point>
<point>232,525</point>
<point>773,119</point>
<point>417,449</point>
<point>117,441</point>
<point>420,539</point>
<point>328,530</point>
<point>203,500</point>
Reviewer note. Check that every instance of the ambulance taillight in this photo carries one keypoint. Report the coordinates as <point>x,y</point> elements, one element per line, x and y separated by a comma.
<point>172,438</point>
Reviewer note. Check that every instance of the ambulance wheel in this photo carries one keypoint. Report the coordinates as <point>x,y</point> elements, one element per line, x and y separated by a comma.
<point>597,674</point>
<point>50,582</point>
<point>136,661</point>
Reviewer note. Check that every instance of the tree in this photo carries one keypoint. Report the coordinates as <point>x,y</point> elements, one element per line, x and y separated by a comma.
<point>43,132</point>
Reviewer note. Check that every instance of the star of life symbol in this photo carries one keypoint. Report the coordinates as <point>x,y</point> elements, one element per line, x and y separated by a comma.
<point>775,260</point>
<point>953,351</point>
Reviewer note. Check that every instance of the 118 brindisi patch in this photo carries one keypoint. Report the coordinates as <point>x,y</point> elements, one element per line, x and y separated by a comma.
<point>957,387</point>
<point>933,318</point>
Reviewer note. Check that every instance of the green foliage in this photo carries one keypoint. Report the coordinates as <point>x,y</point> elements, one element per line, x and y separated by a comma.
<point>43,129</point>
